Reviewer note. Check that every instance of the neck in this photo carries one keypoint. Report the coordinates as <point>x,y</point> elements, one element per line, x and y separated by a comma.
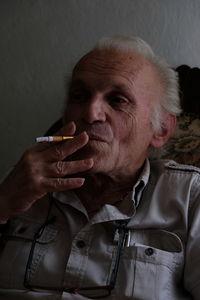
<point>100,189</point>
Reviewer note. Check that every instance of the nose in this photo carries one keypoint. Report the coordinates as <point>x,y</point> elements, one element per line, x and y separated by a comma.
<point>94,110</point>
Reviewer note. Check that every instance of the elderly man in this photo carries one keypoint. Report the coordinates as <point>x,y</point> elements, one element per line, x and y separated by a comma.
<point>92,217</point>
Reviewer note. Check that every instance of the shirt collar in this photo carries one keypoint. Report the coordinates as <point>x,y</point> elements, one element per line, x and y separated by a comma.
<point>141,183</point>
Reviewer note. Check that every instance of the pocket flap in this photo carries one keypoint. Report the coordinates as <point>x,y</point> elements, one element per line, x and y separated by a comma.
<point>24,228</point>
<point>160,239</point>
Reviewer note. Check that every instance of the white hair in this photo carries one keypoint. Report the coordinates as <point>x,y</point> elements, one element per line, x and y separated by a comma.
<point>170,102</point>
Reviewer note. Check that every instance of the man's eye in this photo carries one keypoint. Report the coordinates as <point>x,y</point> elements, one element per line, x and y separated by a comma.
<point>119,100</point>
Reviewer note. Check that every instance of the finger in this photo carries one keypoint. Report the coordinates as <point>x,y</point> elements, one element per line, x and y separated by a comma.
<point>67,129</point>
<point>63,184</point>
<point>61,151</point>
<point>63,168</point>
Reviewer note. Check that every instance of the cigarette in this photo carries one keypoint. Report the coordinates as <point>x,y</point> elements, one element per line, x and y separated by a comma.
<point>53,138</point>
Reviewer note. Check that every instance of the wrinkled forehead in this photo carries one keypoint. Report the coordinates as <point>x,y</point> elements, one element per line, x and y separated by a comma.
<point>111,60</point>
<point>128,66</point>
<point>111,66</point>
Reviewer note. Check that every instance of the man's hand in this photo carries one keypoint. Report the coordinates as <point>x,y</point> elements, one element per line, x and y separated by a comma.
<point>41,170</point>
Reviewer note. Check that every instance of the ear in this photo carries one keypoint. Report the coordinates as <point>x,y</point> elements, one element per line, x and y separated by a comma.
<point>161,137</point>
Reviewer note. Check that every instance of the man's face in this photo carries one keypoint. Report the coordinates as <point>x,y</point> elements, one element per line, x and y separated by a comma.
<point>111,98</point>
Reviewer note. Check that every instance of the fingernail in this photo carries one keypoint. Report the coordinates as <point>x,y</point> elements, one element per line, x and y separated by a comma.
<point>80,181</point>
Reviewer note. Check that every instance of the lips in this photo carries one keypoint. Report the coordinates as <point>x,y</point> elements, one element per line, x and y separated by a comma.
<point>97,132</point>
<point>96,137</point>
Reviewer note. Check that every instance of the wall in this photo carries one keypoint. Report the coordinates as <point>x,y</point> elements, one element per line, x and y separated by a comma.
<point>41,39</point>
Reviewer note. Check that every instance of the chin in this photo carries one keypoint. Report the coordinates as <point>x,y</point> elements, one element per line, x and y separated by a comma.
<point>100,166</point>
<point>91,152</point>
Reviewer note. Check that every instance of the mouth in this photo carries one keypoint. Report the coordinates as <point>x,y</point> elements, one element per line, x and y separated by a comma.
<point>98,138</point>
<point>97,133</point>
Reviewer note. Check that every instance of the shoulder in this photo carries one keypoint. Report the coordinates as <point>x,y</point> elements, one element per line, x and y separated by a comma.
<point>172,178</point>
<point>174,166</point>
<point>172,169</point>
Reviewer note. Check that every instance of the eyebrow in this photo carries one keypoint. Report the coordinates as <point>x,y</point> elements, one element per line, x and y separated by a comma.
<point>116,87</point>
<point>120,86</point>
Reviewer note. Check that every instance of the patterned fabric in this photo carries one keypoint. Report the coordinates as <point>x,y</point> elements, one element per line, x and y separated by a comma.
<point>184,146</point>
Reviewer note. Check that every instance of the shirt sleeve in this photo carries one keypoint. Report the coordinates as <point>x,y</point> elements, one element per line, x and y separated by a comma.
<point>192,255</point>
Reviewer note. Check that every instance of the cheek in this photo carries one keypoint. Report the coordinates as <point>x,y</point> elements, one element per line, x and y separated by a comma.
<point>125,127</point>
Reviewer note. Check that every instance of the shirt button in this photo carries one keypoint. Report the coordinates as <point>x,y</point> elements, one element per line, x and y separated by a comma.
<point>80,244</point>
<point>149,251</point>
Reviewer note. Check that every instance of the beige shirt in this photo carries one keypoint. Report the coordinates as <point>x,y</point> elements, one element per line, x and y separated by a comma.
<point>160,258</point>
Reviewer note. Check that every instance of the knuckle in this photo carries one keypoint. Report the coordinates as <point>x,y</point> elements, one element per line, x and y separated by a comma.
<point>59,167</point>
<point>57,182</point>
<point>59,155</point>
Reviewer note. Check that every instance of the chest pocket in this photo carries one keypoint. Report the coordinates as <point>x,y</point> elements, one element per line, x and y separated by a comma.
<point>151,265</point>
<point>15,245</point>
